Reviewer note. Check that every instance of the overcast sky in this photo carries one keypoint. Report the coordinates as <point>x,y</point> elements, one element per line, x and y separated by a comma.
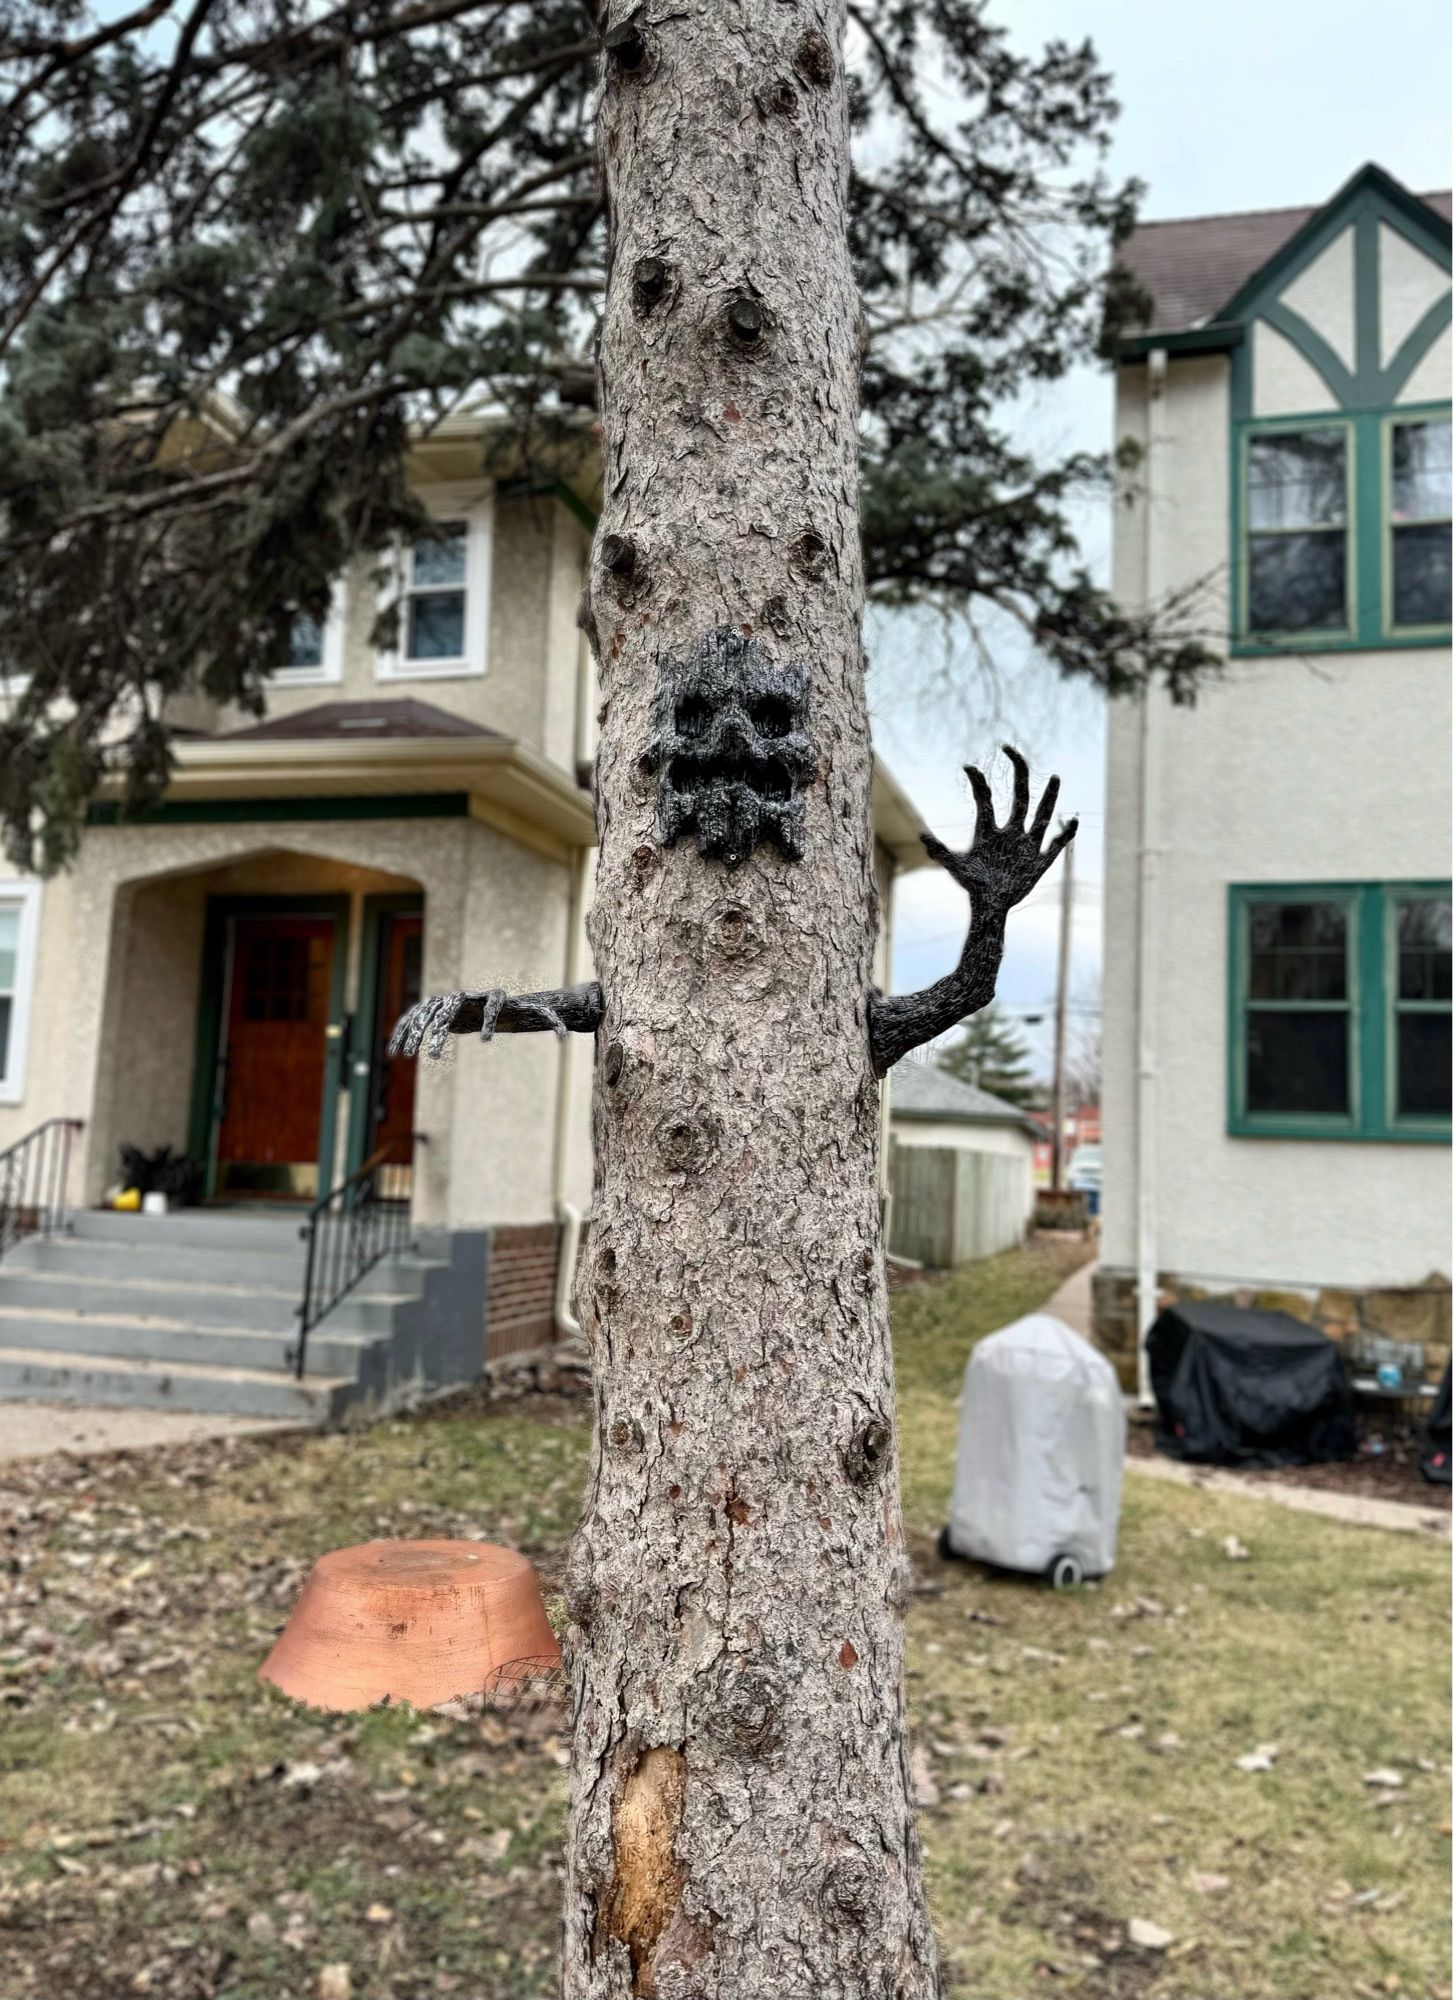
<point>1239,105</point>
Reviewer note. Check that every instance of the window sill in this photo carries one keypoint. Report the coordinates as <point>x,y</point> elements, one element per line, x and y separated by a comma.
<point>428,670</point>
<point>1264,649</point>
<point>1337,1133</point>
<point>303,677</point>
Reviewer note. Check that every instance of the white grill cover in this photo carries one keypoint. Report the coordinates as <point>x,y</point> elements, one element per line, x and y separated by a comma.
<point>1041,1450</point>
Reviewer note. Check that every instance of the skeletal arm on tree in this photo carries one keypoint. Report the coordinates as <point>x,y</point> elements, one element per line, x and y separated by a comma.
<point>998,869</point>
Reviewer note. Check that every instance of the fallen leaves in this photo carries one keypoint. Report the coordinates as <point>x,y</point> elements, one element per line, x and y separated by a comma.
<point>1149,1936</point>
<point>1262,1758</point>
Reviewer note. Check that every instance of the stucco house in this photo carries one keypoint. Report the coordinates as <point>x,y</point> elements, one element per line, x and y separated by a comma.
<point>961,1168</point>
<point>1276,1004</point>
<point>221,979</point>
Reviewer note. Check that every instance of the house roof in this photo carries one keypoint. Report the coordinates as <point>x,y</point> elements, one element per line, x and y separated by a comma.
<point>359,722</point>
<point>1193,266</point>
<point>920,1090</point>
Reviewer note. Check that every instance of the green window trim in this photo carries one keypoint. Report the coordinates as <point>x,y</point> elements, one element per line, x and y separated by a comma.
<point>1372,1007</point>
<point>1369,626</point>
<point>1325,636</point>
<point>1413,414</point>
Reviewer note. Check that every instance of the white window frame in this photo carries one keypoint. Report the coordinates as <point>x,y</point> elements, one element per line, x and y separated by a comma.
<point>329,670</point>
<point>474,505</point>
<point>24,894</point>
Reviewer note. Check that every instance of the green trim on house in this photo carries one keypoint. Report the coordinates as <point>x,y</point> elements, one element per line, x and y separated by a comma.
<point>1369,625</point>
<point>1370,192</point>
<point>246,812</point>
<point>1364,397</point>
<point>207,1073</point>
<point>1371,1007</point>
<point>365,1014</point>
<point>1218,338</point>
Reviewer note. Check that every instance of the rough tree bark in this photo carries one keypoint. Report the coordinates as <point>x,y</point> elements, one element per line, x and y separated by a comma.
<point>741,1821</point>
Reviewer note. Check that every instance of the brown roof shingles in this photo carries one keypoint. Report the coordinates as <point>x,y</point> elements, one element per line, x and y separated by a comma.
<point>360,722</point>
<point>1193,267</point>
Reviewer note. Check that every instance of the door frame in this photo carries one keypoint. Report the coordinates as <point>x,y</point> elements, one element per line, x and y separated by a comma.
<point>206,1113</point>
<point>404,903</point>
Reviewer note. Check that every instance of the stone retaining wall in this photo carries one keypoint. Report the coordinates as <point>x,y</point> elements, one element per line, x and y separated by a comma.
<point>1421,1313</point>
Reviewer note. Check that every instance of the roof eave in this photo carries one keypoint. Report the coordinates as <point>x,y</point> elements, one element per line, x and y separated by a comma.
<point>1219,337</point>
<point>505,780</point>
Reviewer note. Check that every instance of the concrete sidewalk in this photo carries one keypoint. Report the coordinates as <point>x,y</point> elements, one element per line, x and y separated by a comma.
<point>35,1430</point>
<point>1074,1302</point>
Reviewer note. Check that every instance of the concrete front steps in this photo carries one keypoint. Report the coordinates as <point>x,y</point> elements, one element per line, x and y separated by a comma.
<point>197,1311</point>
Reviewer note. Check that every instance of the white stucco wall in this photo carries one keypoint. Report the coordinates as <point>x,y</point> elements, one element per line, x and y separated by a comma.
<point>1294,768</point>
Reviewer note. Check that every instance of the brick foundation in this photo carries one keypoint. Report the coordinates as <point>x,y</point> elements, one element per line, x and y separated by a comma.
<point>520,1307</point>
<point>1419,1313</point>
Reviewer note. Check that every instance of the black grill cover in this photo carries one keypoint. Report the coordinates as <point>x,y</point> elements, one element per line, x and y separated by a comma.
<point>1237,1387</point>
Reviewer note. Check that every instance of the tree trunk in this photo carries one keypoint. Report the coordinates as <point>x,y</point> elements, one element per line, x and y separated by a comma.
<point>741,1824</point>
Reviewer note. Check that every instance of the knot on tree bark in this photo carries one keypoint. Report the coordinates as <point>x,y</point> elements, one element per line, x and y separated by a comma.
<point>867,1453</point>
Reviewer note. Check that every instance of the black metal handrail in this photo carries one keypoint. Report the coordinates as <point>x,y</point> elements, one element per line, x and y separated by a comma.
<point>35,1178</point>
<point>359,1222</point>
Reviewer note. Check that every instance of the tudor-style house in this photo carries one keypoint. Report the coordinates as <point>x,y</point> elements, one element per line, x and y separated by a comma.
<point>1276,1025</point>
<point>221,978</point>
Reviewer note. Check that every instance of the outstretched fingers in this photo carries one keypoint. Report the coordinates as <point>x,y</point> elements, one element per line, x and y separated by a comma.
<point>1019,811</point>
<point>493,1001</point>
<point>983,799</point>
<point>1040,824</point>
<point>1058,845</point>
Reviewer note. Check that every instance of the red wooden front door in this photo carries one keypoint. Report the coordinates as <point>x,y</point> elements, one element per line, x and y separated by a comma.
<point>275,1055</point>
<point>401,952</point>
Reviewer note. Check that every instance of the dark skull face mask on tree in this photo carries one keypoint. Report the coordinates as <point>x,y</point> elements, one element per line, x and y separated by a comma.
<point>731,746</point>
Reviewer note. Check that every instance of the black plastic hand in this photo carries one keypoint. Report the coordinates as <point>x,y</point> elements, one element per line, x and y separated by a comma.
<point>1003,863</point>
<point>572,1009</point>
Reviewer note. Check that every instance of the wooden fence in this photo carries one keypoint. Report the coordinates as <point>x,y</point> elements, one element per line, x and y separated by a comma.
<point>951,1206</point>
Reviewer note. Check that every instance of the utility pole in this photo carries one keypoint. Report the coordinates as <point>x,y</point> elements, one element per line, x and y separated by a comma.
<point>1061,1003</point>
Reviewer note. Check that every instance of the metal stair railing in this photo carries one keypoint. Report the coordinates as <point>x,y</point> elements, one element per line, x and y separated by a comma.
<point>348,1231</point>
<point>35,1183</point>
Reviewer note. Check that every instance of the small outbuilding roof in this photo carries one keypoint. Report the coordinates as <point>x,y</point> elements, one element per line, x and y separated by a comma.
<point>920,1090</point>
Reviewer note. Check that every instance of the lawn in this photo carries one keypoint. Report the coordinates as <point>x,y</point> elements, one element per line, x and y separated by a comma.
<point>169,1828</point>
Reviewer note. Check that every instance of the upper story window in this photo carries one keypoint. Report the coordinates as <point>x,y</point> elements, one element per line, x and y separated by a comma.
<point>1296,488</point>
<point>442,591</point>
<point>19,927</point>
<point>1340,1011</point>
<point>315,650</point>
<point>1420,522</point>
<point>1345,530</point>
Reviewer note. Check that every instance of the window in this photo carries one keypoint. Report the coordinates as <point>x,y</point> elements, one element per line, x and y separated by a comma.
<point>436,596</point>
<point>19,921</point>
<point>443,592</point>
<point>1296,512</point>
<point>1340,1005</point>
<point>1344,530</point>
<point>1419,527</point>
<point>1298,1018</point>
<point>1422,996</point>
<point>315,652</point>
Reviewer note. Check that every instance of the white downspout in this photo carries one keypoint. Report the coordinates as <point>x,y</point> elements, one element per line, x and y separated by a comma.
<point>1147,1256</point>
